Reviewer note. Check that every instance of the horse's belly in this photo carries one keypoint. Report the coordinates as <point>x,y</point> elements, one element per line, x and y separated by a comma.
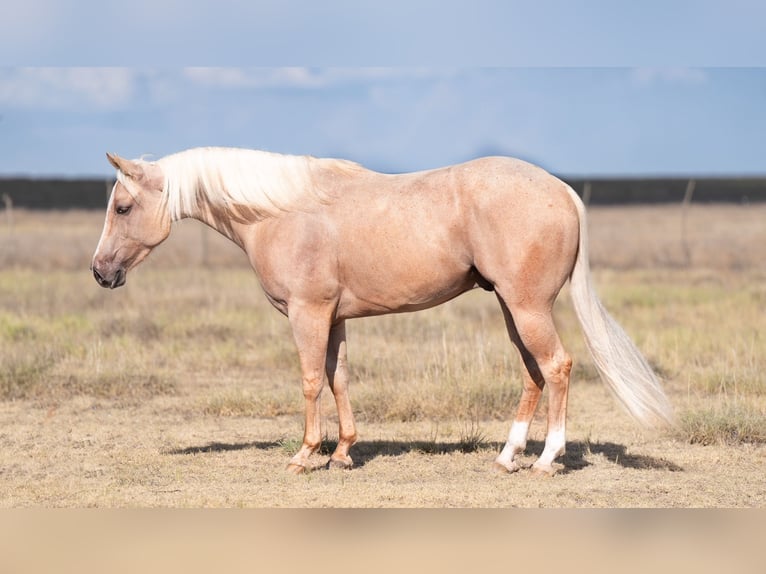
<point>397,292</point>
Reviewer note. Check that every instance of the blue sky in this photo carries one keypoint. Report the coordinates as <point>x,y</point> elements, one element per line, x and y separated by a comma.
<point>582,88</point>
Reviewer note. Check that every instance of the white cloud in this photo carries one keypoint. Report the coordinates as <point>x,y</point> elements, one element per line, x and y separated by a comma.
<point>302,77</point>
<point>255,77</point>
<point>67,88</point>
<point>684,76</point>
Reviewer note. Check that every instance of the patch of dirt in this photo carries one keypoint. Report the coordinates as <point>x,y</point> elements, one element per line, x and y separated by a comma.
<point>160,453</point>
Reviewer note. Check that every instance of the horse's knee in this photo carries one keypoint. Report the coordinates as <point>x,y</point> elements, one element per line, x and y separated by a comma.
<point>559,370</point>
<point>312,387</point>
<point>564,367</point>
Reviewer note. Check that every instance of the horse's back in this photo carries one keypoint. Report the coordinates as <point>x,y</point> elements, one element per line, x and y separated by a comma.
<point>424,237</point>
<point>503,181</point>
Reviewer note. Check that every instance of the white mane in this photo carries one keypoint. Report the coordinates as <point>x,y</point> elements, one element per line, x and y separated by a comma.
<point>237,183</point>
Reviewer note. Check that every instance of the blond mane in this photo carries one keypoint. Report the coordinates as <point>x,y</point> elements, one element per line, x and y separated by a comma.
<point>241,184</point>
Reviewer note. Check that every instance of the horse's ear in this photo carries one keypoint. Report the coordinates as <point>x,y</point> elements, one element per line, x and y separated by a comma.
<point>130,168</point>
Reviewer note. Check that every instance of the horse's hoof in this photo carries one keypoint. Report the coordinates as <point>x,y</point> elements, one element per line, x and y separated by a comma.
<point>542,470</point>
<point>293,468</point>
<point>499,468</point>
<point>342,464</point>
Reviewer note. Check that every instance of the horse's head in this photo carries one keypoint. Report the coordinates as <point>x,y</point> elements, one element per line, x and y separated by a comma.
<point>137,220</point>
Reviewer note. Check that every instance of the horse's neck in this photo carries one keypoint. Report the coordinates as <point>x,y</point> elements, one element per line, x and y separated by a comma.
<point>220,223</point>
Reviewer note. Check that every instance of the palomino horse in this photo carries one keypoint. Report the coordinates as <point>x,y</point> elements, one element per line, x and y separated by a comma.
<point>330,240</point>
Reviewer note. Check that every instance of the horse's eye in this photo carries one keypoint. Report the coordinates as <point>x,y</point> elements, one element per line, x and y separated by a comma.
<point>120,210</point>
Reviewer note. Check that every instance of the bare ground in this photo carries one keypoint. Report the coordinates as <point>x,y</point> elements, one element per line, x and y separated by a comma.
<point>87,453</point>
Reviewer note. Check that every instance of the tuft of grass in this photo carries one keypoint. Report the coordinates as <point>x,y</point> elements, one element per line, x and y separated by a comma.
<point>290,446</point>
<point>24,370</point>
<point>472,437</point>
<point>117,385</point>
<point>734,380</point>
<point>728,426</point>
<point>242,404</point>
<point>14,330</point>
<point>142,328</point>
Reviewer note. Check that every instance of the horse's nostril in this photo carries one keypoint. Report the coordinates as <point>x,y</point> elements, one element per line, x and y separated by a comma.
<point>119,279</point>
<point>98,276</point>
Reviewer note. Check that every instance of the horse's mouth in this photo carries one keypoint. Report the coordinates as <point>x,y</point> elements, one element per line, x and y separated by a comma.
<point>118,280</point>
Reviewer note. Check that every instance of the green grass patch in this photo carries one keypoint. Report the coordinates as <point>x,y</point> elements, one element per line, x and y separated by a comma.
<point>24,370</point>
<point>728,426</point>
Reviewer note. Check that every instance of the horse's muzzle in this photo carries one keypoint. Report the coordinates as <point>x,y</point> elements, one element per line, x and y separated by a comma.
<point>117,278</point>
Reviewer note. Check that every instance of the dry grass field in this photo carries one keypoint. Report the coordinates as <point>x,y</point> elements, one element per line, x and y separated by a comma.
<point>182,388</point>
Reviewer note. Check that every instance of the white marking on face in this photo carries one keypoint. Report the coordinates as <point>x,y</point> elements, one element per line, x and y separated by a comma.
<point>109,208</point>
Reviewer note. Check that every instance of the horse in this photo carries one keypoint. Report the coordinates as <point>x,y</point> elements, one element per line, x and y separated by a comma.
<point>330,240</point>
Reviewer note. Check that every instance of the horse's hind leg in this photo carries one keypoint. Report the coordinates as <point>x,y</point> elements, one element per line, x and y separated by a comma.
<point>548,363</point>
<point>533,388</point>
<point>336,368</point>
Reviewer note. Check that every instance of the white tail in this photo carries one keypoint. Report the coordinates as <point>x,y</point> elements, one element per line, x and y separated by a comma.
<point>619,362</point>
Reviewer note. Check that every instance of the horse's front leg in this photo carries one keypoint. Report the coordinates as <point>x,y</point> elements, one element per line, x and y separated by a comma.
<point>311,328</point>
<point>337,377</point>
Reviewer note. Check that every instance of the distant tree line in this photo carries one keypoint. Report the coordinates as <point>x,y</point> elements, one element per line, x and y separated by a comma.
<point>56,193</point>
<point>93,193</point>
<point>606,191</point>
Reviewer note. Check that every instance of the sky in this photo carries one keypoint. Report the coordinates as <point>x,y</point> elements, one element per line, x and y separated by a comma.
<point>581,88</point>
